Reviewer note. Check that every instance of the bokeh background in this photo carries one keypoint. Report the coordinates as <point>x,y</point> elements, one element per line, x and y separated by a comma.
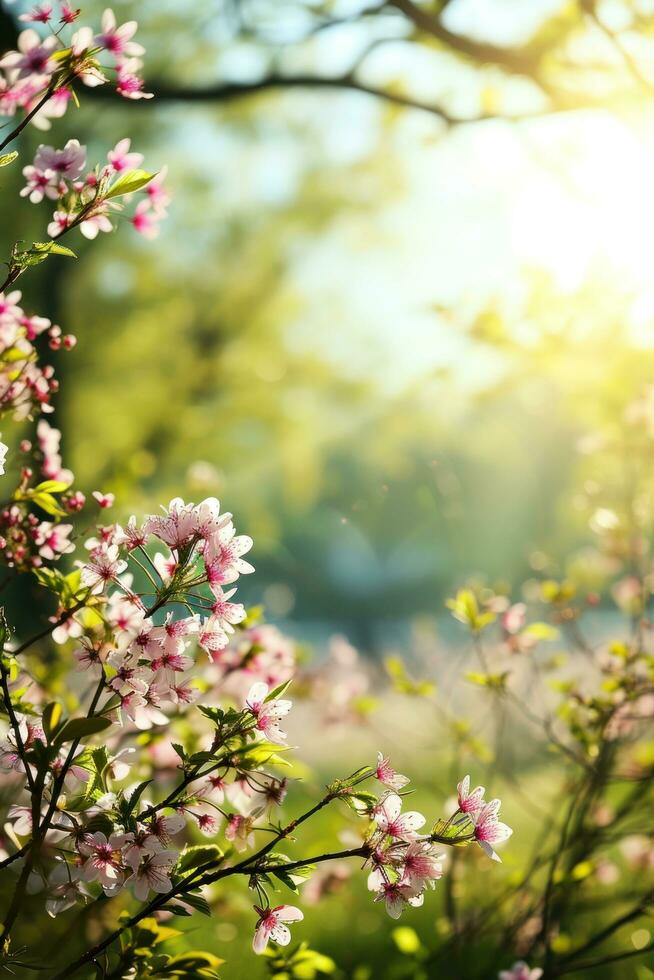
<point>378,331</point>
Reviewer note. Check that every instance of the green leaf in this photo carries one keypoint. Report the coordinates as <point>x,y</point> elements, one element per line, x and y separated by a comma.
<point>191,965</point>
<point>52,719</point>
<point>45,501</point>
<point>260,754</point>
<point>465,608</point>
<point>360,774</point>
<point>194,857</point>
<point>288,878</point>
<point>403,683</point>
<point>100,823</point>
<point>51,248</point>
<point>128,183</point>
<point>176,909</point>
<point>496,681</point>
<point>47,577</point>
<point>280,690</point>
<point>541,631</point>
<point>99,760</point>
<point>194,899</point>
<point>198,902</point>
<point>136,795</point>
<point>51,486</point>
<point>80,727</point>
<point>7,158</point>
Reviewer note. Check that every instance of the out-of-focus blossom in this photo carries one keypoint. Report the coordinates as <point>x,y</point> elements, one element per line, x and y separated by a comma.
<point>520,971</point>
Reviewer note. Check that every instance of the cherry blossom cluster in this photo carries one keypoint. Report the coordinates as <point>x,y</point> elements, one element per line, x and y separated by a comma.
<point>38,78</point>
<point>138,851</point>
<point>26,388</point>
<point>200,553</point>
<point>404,862</point>
<point>88,200</point>
<point>487,828</point>
<point>28,540</point>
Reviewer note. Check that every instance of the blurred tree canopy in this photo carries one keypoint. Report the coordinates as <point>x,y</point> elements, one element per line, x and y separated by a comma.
<point>223,361</point>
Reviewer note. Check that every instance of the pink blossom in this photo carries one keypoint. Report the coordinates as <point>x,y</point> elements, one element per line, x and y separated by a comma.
<point>128,83</point>
<point>389,819</point>
<point>176,527</point>
<point>60,222</point>
<point>34,326</point>
<point>118,40</point>
<point>153,874</point>
<point>227,612</point>
<point>103,859</point>
<point>168,663</point>
<point>39,185</point>
<point>223,556</point>
<point>139,844</point>
<point>103,567</point>
<point>40,14</point>
<point>52,540</point>
<point>49,439</point>
<point>469,802</point>
<point>489,830</point>
<point>166,566</point>
<point>271,926</point>
<point>34,56</point>
<point>69,628</point>
<point>396,896</point>
<point>121,159</point>
<point>208,519</point>
<point>65,164</point>
<point>132,536</point>
<point>87,70</point>
<point>68,14</point>
<point>214,786</point>
<point>64,888</point>
<point>118,767</point>
<point>514,618</point>
<point>272,791</point>
<point>387,775</point>
<point>145,220</point>
<point>267,713</point>
<point>207,819</point>
<point>157,194</point>
<point>240,793</point>
<point>212,636</point>
<point>75,501</point>
<point>520,971</point>
<point>165,826</point>
<point>87,657</point>
<point>420,865</point>
<point>104,499</point>
<point>96,222</point>
<point>129,676</point>
<point>145,710</point>
<point>258,653</point>
<point>9,308</point>
<point>239,831</point>
<point>126,615</point>
<point>54,108</point>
